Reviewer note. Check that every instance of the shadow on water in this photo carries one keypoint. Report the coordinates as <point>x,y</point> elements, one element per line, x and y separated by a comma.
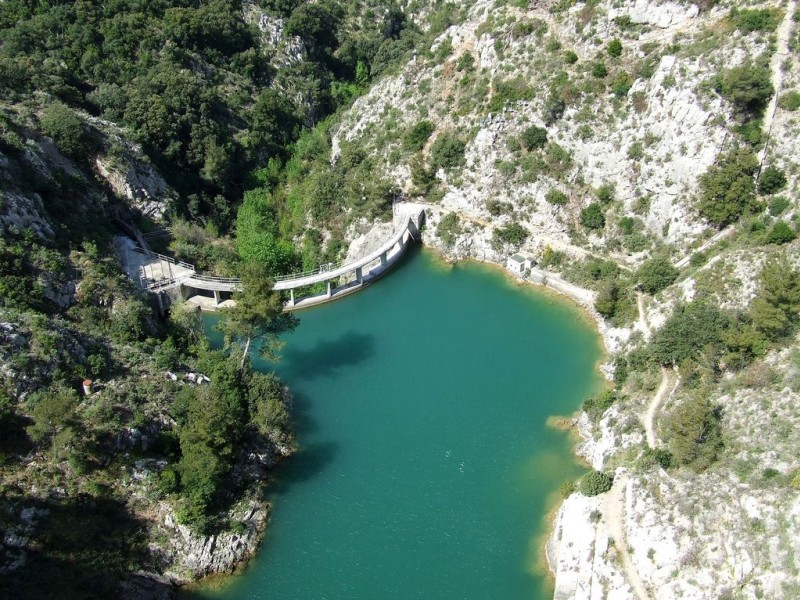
<point>327,357</point>
<point>304,466</point>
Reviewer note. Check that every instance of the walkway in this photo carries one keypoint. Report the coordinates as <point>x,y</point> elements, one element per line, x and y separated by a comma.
<point>158,273</point>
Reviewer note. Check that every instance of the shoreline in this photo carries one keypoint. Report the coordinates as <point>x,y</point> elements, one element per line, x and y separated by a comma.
<point>542,564</point>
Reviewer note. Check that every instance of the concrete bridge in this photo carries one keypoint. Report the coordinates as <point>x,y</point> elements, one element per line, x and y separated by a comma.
<point>162,274</point>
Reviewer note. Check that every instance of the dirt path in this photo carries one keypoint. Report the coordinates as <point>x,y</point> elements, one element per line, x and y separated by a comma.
<point>781,53</point>
<point>613,509</point>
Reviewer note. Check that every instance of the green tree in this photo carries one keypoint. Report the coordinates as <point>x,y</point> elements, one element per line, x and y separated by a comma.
<point>693,433</point>
<point>268,400</point>
<point>592,217</point>
<point>52,410</point>
<point>727,189</point>
<point>772,180</point>
<point>447,152</point>
<point>257,314</point>
<point>599,70</point>
<point>67,130</point>
<point>656,274</point>
<point>775,308</point>
<point>416,137</point>
<point>688,332</point>
<point>607,298</point>
<point>257,236</point>
<point>748,87</point>
<point>533,137</point>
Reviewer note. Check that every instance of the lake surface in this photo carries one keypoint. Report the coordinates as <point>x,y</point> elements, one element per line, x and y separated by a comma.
<point>426,469</point>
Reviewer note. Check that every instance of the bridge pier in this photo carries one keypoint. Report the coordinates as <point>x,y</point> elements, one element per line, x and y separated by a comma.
<point>359,275</point>
<point>217,297</point>
<point>328,294</point>
<point>291,297</point>
<point>383,259</point>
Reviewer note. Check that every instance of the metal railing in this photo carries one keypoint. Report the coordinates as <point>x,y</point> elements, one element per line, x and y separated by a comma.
<point>168,259</point>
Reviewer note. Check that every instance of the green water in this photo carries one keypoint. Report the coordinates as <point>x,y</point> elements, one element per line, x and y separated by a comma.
<point>426,467</point>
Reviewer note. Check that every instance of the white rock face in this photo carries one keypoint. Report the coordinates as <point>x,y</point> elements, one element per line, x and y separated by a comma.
<point>138,182</point>
<point>659,14</point>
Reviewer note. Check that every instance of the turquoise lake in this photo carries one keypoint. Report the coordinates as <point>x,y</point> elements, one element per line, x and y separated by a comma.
<point>426,467</point>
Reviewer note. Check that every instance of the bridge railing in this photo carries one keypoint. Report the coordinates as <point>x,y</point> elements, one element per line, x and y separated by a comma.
<point>318,271</point>
<point>168,259</point>
<point>215,279</point>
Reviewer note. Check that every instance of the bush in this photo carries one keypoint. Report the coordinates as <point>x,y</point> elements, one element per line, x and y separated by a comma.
<point>781,233</point>
<point>694,433</point>
<point>67,131</point>
<point>447,152</point>
<point>599,70</point>
<point>534,137</point>
<point>614,48</point>
<point>557,197</point>
<point>688,333</point>
<point>636,151</point>
<point>776,307</point>
<point>594,483</point>
<point>778,204</point>
<point>595,406</point>
<point>513,234</point>
<point>449,228</point>
<point>622,84</point>
<point>727,189</point>
<point>592,217</point>
<point>566,489</point>
<point>790,101</point>
<point>570,57</point>
<point>605,193</point>
<point>656,274</point>
<point>748,21</point>
<point>416,137</point>
<point>772,180</point>
<point>607,298</point>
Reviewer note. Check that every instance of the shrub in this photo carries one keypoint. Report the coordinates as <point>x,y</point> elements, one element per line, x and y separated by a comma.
<point>790,101</point>
<point>622,84</point>
<point>594,483</point>
<point>636,151</point>
<point>694,433</point>
<point>607,298</point>
<point>772,180</point>
<point>534,137</point>
<point>67,131</point>
<point>778,204</point>
<point>592,217</point>
<point>781,233</point>
<point>775,309</point>
<point>566,489</point>
<point>748,21</point>
<point>727,188</point>
<point>687,333</point>
<point>570,57</point>
<point>557,197</point>
<point>447,152</point>
<point>449,228</point>
<point>614,48</point>
<point>599,70</point>
<point>513,234</point>
<point>416,137</point>
<point>656,274</point>
<point>605,193</point>
<point>595,406</point>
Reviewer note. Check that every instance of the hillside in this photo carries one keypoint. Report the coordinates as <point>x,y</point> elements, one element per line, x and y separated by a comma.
<point>641,153</point>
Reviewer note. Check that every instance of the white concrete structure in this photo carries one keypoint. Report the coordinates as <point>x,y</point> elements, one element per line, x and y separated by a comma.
<point>518,264</point>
